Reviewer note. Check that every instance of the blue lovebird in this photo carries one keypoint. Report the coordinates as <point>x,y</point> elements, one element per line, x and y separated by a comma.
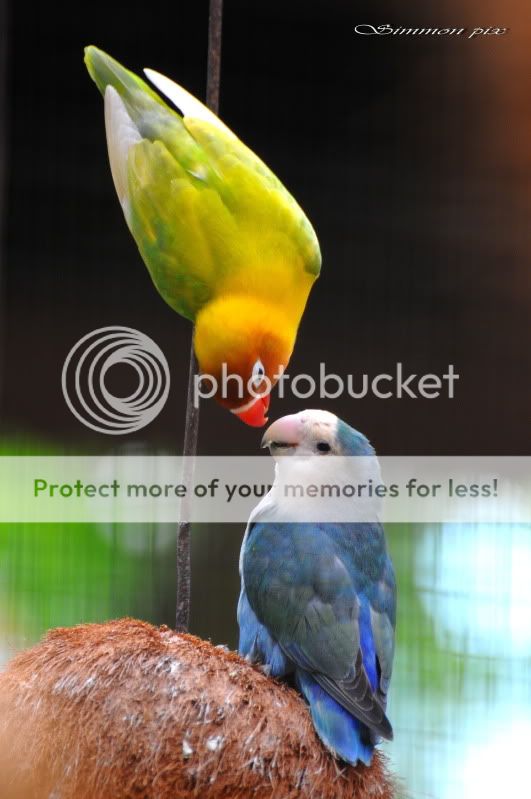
<point>318,601</point>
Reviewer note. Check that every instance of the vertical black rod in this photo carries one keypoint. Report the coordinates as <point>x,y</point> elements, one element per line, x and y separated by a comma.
<point>192,411</point>
<point>4,44</point>
<point>214,55</point>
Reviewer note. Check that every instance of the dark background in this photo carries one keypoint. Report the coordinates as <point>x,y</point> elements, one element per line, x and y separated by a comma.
<point>410,155</point>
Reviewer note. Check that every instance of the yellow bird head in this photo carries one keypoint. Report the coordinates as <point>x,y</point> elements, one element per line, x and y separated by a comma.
<point>243,346</point>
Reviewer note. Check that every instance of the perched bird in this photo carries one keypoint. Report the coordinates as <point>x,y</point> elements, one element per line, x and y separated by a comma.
<point>225,244</point>
<point>318,601</point>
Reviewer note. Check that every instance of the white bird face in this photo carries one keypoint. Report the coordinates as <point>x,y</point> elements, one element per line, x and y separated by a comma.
<point>329,455</point>
<point>311,432</point>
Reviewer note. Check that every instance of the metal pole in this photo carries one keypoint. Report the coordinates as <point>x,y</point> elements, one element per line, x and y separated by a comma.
<point>192,412</point>
<point>4,45</point>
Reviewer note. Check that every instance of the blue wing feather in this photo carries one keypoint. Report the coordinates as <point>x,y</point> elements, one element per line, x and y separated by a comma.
<point>256,643</point>
<point>319,599</point>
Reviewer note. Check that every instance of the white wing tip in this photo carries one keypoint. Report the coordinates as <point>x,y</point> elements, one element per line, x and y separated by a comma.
<point>186,103</point>
<point>122,134</point>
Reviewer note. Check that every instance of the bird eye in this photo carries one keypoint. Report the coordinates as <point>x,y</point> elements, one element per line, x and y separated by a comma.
<point>258,372</point>
<point>258,369</point>
<point>323,446</point>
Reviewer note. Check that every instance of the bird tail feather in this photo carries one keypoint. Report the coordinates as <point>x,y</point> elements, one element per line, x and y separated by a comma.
<point>343,734</point>
<point>106,71</point>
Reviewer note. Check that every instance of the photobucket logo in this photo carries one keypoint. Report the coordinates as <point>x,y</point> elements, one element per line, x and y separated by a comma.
<point>397,384</point>
<point>86,368</point>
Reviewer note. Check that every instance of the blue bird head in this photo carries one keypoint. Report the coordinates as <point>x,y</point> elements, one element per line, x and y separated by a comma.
<point>314,432</point>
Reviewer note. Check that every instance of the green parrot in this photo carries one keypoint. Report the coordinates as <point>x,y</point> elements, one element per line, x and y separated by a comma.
<point>225,243</point>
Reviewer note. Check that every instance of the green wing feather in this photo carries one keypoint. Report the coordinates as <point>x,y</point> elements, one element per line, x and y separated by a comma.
<point>199,203</point>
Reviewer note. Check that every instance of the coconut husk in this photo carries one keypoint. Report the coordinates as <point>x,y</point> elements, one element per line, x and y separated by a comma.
<point>125,710</point>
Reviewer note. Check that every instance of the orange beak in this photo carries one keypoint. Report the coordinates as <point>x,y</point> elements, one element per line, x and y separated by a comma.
<point>254,413</point>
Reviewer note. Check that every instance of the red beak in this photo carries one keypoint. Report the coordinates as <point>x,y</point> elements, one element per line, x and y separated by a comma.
<point>255,413</point>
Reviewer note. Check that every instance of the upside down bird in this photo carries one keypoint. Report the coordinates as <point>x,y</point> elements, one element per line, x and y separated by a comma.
<point>318,601</point>
<point>225,244</point>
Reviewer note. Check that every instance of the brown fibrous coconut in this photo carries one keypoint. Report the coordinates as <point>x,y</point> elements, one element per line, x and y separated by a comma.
<point>125,710</point>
